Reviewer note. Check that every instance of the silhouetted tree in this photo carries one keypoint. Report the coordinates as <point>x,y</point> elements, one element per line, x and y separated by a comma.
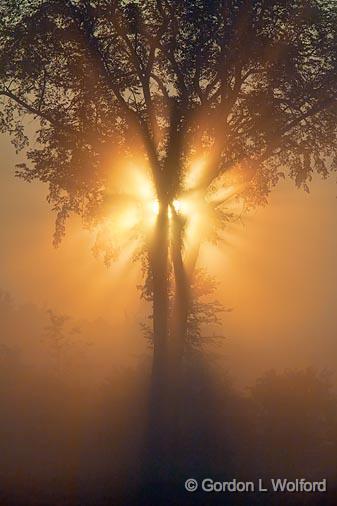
<point>60,333</point>
<point>249,86</point>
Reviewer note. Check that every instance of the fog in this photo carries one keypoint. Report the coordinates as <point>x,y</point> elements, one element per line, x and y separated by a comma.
<point>75,366</point>
<point>277,271</point>
<point>75,400</point>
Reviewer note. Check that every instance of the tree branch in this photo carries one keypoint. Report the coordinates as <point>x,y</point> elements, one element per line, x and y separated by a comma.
<point>86,27</point>
<point>29,108</point>
<point>276,142</point>
<point>161,86</point>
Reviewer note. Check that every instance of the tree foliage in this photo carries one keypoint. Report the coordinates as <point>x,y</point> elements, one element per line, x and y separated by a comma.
<point>253,83</point>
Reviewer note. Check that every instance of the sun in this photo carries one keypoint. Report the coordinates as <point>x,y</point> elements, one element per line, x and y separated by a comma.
<point>179,206</point>
<point>135,209</point>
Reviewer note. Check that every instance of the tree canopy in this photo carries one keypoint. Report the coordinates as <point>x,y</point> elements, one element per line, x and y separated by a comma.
<point>250,83</point>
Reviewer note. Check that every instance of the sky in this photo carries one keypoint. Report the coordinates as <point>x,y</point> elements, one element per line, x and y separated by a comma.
<point>277,272</point>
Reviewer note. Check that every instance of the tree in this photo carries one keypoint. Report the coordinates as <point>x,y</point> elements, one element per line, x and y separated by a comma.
<point>214,98</point>
<point>60,336</point>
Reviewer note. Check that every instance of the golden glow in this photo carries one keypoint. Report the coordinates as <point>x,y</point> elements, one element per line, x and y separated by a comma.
<point>129,218</point>
<point>222,194</point>
<point>195,173</point>
<point>180,206</point>
<point>155,207</point>
<point>135,206</point>
<point>132,187</point>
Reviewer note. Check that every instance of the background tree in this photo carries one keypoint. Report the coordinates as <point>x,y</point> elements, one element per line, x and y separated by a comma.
<point>295,416</point>
<point>63,337</point>
<point>213,99</point>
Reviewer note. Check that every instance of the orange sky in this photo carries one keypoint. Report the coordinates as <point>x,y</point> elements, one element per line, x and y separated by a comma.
<point>278,272</point>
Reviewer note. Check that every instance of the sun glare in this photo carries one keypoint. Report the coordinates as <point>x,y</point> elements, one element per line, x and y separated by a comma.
<point>155,207</point>
<point>134,219</point>
<point>180,206</point>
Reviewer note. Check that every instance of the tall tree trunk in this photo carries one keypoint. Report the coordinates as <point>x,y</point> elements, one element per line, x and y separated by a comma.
<point>182,291</point>
<point>157,445</point>
<point>159,267</point>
